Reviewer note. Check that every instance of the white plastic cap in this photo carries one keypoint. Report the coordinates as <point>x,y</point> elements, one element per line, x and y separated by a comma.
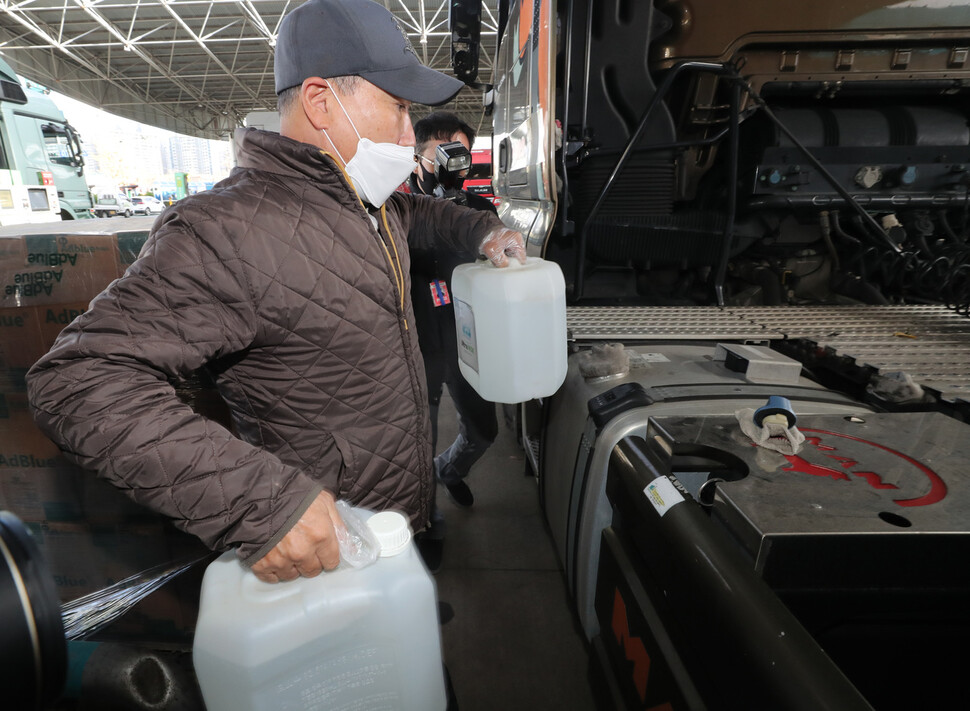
<point>392,531</point>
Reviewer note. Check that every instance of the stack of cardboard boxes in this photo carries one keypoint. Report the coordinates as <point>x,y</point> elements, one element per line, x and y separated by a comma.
<point>90,534</point>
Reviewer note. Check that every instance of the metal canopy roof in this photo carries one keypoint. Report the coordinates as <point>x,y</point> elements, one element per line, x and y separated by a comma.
<point>197,67</point>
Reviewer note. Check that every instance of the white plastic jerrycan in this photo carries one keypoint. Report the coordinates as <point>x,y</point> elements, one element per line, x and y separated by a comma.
<point>511,328</point>
<point>360,639</point>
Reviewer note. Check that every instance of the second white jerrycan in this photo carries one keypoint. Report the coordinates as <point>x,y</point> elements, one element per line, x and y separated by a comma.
<point>346,640</point>
<point>511,328</point>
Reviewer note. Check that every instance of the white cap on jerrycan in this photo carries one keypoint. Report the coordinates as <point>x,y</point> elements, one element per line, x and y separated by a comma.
<point>511,328</point>
<point>392,531</point>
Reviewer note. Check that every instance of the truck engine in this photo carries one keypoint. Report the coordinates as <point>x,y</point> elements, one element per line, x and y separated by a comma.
<point>763,155</point>
<point>752,204</point>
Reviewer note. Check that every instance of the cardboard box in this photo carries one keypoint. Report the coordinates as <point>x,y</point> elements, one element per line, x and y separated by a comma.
<point>13,398</point>
<point>84,558</point>
<point>22,444</point>
<point>62,493</point>
<point>42,495</point>
<point>130,244</point>
<point>55,268</point>
<point>21,343</point>
<point>28,332</point>
<point>90,534</point>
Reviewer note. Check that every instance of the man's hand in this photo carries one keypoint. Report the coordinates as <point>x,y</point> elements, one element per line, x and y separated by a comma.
<point>309,547</point>
<point>502,242</point>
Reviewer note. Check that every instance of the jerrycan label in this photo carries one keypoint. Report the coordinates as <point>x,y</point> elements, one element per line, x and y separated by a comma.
<point>467,343</point>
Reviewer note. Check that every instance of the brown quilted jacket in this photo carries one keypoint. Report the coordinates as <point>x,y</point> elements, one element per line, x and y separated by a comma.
<point>278,284</point>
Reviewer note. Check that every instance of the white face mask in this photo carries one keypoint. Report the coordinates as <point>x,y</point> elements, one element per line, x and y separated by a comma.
<point>377,169</point>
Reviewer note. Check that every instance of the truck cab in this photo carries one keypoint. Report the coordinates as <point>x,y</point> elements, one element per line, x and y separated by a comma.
<point>735,193</point>
<point>42,147</point>
<point>26,195</point>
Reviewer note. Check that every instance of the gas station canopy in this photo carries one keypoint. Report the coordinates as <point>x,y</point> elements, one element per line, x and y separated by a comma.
<point>197,67</point>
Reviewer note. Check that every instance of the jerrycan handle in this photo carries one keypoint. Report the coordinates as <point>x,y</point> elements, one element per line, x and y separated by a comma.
<point>255,590</point>
<point>514,264</point>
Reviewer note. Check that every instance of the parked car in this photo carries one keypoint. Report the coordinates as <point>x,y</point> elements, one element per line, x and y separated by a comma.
<point>146,204</point>
<point>109,204</point>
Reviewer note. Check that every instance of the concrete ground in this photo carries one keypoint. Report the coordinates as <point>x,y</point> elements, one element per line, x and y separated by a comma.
<point>513,642</point>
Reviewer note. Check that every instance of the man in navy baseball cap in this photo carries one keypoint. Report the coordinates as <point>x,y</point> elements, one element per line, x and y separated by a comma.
<point>288,283</point>
<point>346,76</point>
<point>332,38</point>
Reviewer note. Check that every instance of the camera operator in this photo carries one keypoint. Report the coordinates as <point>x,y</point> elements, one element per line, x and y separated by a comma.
<point>439,137</point>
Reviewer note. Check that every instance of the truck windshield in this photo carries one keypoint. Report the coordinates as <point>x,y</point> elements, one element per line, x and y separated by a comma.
<point>62,145</point>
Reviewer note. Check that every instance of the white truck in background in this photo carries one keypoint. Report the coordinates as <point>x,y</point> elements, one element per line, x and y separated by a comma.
<point>26,195</point>
<point>40,157</point>
<point>110,203</point>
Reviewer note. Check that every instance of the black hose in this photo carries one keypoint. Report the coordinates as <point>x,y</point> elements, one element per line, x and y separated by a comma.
<point>841,233</point>
<point>943,279</point>
<point>948,230</point>
<point>825,224</point>
<point>856,244</point>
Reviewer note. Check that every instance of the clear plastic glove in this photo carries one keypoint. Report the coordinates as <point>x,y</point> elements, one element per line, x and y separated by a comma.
<point>359,546</point>
<point>308,548</point>
<point>328,534</point>
<point>502,242</point>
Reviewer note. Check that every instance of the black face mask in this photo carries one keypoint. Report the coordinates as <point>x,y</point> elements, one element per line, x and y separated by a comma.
<point>425,182</point>
<point>439,182</point>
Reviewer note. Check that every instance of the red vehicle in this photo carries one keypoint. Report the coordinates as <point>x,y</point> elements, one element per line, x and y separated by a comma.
<point>479,178</point>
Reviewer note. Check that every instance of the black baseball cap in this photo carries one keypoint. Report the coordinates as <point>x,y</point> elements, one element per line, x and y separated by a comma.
<point>331,38</point>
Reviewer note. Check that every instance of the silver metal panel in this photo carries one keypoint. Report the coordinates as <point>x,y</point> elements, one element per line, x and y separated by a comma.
<point>861,481</point>
<point>930,343</point>
<point>690,383</point>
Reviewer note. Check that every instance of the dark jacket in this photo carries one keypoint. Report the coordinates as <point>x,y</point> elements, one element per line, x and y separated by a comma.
<point>277,283</point>
<point>436,323</point>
